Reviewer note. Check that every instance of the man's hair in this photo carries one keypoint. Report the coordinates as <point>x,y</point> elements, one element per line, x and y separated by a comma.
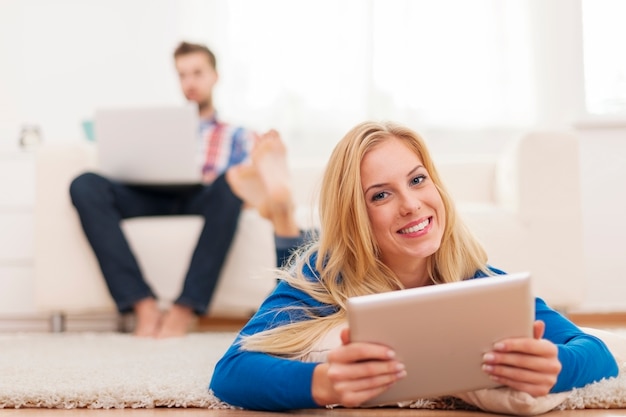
<point>185,48</point>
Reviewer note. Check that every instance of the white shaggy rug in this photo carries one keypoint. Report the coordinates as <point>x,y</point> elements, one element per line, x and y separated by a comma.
<point>112,370</point>
<point>108,370</point>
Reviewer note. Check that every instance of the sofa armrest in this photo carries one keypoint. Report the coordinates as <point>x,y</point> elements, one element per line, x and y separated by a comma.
<point>60,244</point>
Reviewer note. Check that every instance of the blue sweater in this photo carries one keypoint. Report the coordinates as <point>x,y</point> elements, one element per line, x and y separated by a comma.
<point>260,381</point>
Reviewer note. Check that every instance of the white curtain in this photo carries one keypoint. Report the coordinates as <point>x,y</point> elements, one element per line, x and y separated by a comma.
<point>315,68</point>
<point>604,57</point>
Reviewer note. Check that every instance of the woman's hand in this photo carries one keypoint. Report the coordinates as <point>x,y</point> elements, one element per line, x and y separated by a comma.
<point>355,373</point>
<point>525,364</point>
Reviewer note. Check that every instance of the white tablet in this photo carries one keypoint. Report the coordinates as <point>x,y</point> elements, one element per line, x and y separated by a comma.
<point>441,332</point>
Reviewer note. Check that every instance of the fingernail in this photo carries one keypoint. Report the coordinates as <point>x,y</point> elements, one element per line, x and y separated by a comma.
<point>498,346</point>
<point>488,357</point>
<point>391,354</point>
<point>400,367</point>
<point>487,368</point>
<point>401,374</point>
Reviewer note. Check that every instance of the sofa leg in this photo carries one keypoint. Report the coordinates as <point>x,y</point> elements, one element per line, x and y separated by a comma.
<point>57,322</point>
<point>126,323</point>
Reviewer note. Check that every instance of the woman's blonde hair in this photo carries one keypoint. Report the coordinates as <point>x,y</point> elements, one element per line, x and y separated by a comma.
<point>346,255</point>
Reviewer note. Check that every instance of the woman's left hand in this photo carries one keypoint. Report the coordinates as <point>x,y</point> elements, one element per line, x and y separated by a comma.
<point>525,364</point>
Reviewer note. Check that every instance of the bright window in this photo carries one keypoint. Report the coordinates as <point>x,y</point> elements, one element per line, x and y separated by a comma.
<point>604,34</point>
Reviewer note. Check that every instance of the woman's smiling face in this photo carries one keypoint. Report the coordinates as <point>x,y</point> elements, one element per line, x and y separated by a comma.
<point>404,207</point>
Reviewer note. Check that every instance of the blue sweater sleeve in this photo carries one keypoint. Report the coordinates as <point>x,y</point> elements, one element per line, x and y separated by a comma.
<point>585,358</point>
<point>259,381</point>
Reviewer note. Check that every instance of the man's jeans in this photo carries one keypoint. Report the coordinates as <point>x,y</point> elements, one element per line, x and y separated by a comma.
<point>103,203</point>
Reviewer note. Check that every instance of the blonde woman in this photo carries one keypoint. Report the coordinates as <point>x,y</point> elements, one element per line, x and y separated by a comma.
<point>387,223</point>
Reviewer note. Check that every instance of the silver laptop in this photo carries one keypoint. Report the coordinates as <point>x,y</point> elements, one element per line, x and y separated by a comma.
<point>149,145</point>
<point>441,332</point>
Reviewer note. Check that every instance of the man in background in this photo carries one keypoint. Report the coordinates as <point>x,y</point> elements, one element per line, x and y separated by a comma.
<point>103,203</point>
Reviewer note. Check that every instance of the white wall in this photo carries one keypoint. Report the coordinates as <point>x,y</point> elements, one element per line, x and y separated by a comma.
<point>61,59</point>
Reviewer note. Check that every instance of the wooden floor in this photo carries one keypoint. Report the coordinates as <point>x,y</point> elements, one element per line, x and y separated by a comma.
<point>598,320</point>
<point>195,412</point>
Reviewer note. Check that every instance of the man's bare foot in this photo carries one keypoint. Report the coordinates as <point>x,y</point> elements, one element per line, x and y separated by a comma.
<point>269,157</point>
<point>177,322</point>
<point>246,183</point>
<point>148,318</point>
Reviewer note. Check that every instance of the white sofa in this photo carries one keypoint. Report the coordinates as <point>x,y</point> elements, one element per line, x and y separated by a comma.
<point>68,279</point>
<point>524,205</point>
<point>530,214</point>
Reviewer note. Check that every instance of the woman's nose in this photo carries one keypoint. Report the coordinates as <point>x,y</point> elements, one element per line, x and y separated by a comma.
<point>409,204</point>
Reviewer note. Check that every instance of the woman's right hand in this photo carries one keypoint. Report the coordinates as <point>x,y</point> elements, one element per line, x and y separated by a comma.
<point>355,373</point>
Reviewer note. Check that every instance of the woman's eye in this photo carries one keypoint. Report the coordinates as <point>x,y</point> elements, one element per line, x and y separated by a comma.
<point>419,179</point>
<point>379,196</point>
